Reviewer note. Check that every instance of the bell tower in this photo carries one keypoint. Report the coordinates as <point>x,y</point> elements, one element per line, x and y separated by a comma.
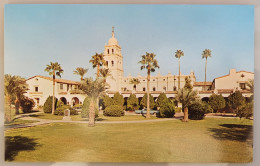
<point>114,62</point>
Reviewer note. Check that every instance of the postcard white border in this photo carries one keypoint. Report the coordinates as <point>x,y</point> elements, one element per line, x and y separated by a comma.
<point>198,2</point>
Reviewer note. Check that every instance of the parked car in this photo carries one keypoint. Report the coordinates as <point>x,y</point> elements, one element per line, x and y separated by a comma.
<point>143,111</point>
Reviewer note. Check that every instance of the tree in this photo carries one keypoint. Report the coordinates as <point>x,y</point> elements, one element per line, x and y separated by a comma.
<point>135,82</point>
<point>186,97</point>
<point>188,83</point>
<point>217,102</point>
<point>108,101</point>
<point>97,61</point>
<point>205,54</point>
<point>150,63</point>
<point>179,54</point>
<point>47,107</point>
<point>81,72</point>
<point>250,84</point>
<point>246,110</point>
<point>132,101</point>
<point>94,89</point>
<point>144,102</point>
<point>14,88</point>
<point>54,69</point>
<point>118,99</point>
<point>236,101</point>
<point>161,100</point>
<point>167,109</point>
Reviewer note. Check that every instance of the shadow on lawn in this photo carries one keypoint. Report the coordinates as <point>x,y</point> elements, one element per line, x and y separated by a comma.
<point>233,132</point>
<point>35,115</point>
<point>15,144</point>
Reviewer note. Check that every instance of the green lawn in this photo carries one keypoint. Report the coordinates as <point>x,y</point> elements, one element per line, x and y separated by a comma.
<point>100,118</point>
<point>20,121</point>
<point>211,140</point>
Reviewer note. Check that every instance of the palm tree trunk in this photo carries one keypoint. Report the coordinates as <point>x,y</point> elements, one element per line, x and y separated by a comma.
<point>97,71</point>
<point>148,91</point>
<point>185,118</point>
<point>205,74</point>
<point>53,93</point>
<point>91,121</point>
<point>10,108</point>
<point>179,81</point>
<point>17,105</point>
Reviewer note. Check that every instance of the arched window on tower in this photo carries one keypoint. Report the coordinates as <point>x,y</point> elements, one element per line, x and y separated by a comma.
<point>112,63</point>
<point>107,51</point>
<point>134,88</point>
<point>107,63</point>
<point>154,88</point>
<point>143,88</point>
<point>112,51</point>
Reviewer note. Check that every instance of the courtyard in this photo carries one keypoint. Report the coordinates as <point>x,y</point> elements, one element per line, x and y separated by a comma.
<point>208,140</point>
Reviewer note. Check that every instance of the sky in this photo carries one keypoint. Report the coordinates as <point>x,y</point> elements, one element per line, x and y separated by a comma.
<point>36,35</point>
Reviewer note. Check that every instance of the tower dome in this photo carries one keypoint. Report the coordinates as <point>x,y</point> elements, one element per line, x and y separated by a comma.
<point>112,40</point>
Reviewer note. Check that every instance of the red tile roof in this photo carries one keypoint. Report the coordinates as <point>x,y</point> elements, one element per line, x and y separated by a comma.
<point>56,80</point>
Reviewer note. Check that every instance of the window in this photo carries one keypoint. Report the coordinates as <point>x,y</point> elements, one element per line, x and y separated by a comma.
<point>143,80</point>
<point>174,88</point>
<point>134,87</point>
<point>164,88</point>
<point>106,63</point>
<point>154,89</point>
<point>124,89</point>
<point>163,79</point>
<point>153,79</point>
<point>36,89</point>
<point>61,86</point>
<point>112,63</point>
<point>68,86</point>
<point>143,88</point>
<point>242,85</point>
<point>112,51</point>
<point>107,51</point>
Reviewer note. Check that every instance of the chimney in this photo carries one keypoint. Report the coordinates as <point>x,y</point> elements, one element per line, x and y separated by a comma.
<point>232,72</point>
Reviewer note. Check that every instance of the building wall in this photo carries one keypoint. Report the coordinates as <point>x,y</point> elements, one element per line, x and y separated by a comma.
<point>232,80</point>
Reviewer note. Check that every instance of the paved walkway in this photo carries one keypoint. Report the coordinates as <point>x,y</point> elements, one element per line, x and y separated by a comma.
<point>48,121</point>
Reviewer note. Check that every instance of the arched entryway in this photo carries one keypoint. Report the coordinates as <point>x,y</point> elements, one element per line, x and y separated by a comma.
<point>205,99</point>
<point>75,101</point>
<point>64,100</point>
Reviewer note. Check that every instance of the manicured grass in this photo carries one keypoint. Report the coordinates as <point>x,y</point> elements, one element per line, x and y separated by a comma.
<point>210,140</point>
<point>20,121</point>
<point>99,118</point>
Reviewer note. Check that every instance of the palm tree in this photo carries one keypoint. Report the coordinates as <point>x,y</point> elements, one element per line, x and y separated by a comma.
<point>135,81</point>
<point>250,84</point>
<point>150,63</point>
<point>186,97</point>
<point>81,72</point>
<point>14,87</point>
<point>97,61</point>
<point>105,73</point>
<point>205,54</point>
<point>179,54</point>
<point>54,69</point>
<point>94,89</point>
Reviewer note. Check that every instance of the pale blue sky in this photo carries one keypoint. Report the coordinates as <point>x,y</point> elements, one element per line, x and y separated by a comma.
<point>35,35</point>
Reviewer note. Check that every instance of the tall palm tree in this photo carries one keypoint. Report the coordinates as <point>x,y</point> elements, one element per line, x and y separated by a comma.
<point>135,82</point>
<point>54,69</point>
<point>81,72</point>
<point>14,87</point>
<point>150,63</point>
<point>179,54</point>
<point>97,61</point>
<point>205,54</point>
<point>186,97</point>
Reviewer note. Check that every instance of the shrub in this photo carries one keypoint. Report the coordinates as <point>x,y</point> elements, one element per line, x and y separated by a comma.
<point>196,111</point>
<point>77,106</point>
<point>207,107</point>
<point>118,99</point>
<point>47,107</point>
<point>246,110</point>
<point>60,110</point>
<point>144,101</point>
<point>217,102</point>
<point>132,102</point>
<point>108,101</point>
<point>162,98</point>
<point>27,104</point>
<point>236,100</point>
<point>85,108</point>
<point>114,110</point>
<point>167,109</point>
